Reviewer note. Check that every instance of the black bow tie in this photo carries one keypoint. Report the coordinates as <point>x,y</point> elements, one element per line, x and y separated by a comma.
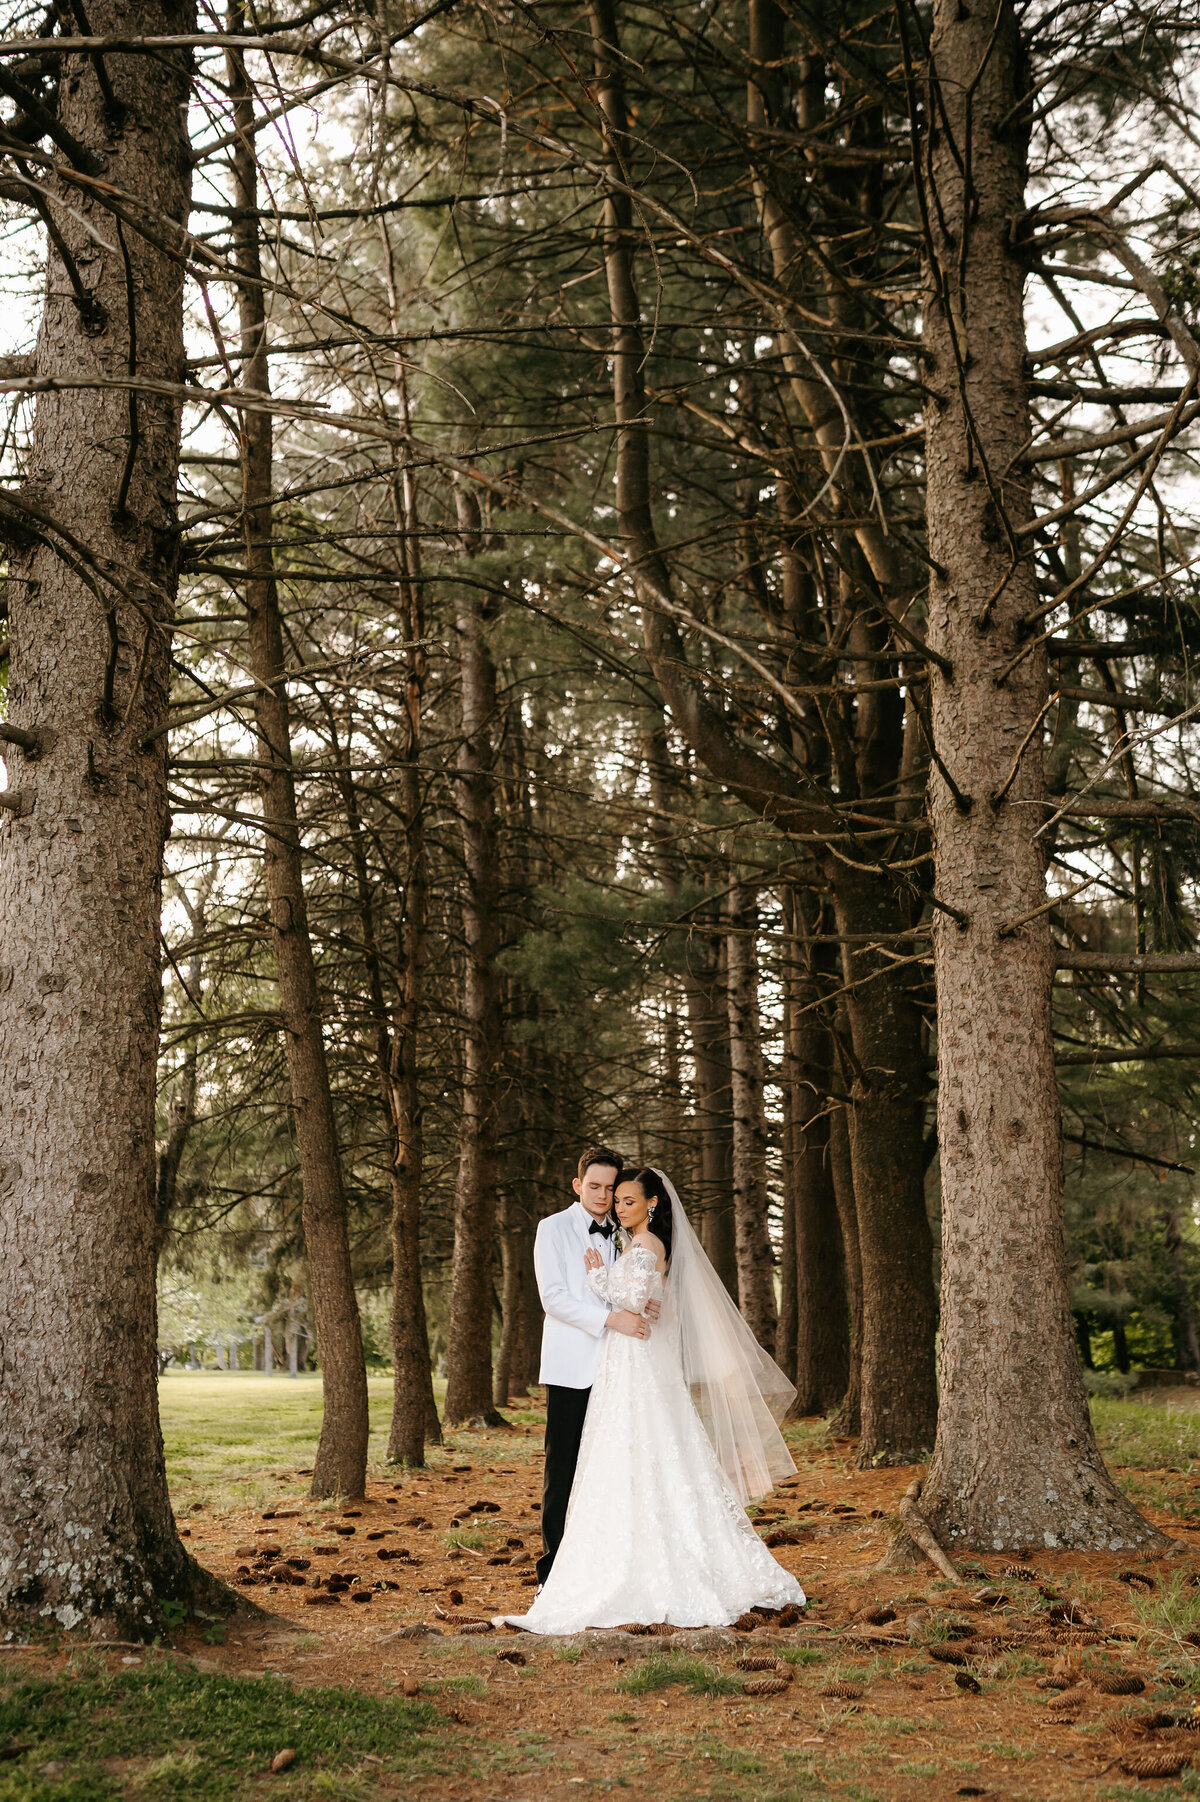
<point>603,1227</point>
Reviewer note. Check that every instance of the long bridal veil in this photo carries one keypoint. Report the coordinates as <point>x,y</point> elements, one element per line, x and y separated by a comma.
<point>740,1393</point>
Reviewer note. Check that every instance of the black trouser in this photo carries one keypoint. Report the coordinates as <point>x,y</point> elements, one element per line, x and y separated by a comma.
<point>565,1412</point>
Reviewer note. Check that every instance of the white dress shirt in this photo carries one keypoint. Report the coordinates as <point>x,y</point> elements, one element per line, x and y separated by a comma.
<point>574,1329</point>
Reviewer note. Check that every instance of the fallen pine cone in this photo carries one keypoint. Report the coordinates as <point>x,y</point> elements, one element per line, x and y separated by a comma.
<point>1136,1579</point>
<point>1055,1682</point>
<point>475,1627</point>
<point>345,1532</point>
<point>792,1615</point>
<point>1020,1573</point>
<point>638,1627</point>
<point>965,1681</point>
<point>1120,1683</point>
<point>360,1595</point>
<point>946,1654</point>
<point>758,1661</point>
<point>843,1692</point>
<point>746,1623</point>
<point>1070,1698</point>
<point>1154,1764</point>
<point>324,1598</point>
<point>530,1582</point>
<point>876,1617</point>
<point>512,1657</point>
<point>766,1686</point>
<point>781,1536</point>
<point>283,1761</point>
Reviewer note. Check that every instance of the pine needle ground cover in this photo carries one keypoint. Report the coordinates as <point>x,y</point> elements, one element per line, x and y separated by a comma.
<point>1049,1676</point>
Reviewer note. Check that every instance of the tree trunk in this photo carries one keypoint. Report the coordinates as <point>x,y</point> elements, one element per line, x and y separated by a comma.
<point>1187,1340</point>
<point>469,1355</point>
<point>86,1533</point>
<point>819,1295</point>
<point>340,1467</point>
<point>708,1023</point>
<point>512,1327</point>
<point>886,1132</point>
<point>755,1258</point>
<point>1016,1461</point>
<point>847,1422</point>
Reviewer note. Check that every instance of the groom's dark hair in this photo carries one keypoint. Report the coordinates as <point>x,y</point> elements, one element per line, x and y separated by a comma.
<point>599,1154</point>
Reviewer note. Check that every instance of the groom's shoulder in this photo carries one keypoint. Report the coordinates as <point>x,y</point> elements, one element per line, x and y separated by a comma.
<point>554,1223</point>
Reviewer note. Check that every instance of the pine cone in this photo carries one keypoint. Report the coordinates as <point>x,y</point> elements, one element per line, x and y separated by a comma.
<point>475,1627</point>
<point>946,1654</point>
<point>843,1692</point>
<point>757,1661</point>
<point>1020,1573</point>
<point>1136,1579</point>
<point>1070,1698</point>
<point>512,1657</point>
<point>1154,1764</point>
<point>781,1536</point>
<point>1119,1683</point>
<point>765,1686</point>
<point>746,1623</point>
<point>965,1681</point>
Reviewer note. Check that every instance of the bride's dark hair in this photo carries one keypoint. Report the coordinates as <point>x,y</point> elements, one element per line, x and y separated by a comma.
<point>655,1190</point>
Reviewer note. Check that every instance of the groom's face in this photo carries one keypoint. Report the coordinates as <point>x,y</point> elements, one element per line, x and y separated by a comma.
<point>595,1188</point>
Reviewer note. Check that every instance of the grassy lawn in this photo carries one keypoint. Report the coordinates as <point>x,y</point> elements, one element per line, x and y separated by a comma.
<point>167,1733</point>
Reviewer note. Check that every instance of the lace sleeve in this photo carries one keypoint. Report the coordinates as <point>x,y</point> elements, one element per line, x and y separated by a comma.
<point>641,1282</point>
<point>597,1282</point>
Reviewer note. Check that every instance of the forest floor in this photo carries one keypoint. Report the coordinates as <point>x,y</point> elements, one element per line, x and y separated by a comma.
<point>383,1688</point>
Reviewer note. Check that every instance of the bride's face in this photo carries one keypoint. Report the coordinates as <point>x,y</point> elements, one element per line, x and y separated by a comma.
<point>633,1210</point>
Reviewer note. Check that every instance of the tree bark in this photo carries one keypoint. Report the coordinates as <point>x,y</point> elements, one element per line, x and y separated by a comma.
<point>886,1132</point>
<point>469,1356</point>
<point>340,1466</point>
<point>848,1420</point>
<point>86,1533</point>
<point>755,1257</point>
<point>822,1342</point>
<point>1016,1461</point>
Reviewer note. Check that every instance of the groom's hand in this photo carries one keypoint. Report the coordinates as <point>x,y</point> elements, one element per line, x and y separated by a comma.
<point>625,1321</point>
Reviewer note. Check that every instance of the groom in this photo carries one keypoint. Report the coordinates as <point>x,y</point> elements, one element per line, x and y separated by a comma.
<point>576,1321</point>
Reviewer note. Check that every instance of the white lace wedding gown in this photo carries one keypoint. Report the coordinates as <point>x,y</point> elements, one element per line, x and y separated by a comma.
<point>654,1529</point>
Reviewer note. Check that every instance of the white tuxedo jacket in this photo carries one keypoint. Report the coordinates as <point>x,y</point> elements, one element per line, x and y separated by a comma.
<point>574,1328</point>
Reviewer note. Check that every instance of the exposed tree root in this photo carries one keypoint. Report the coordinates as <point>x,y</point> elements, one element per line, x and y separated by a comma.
<point>915,1539</point>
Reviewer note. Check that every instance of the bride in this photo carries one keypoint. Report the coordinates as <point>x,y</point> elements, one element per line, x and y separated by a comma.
<point>680,1433</point>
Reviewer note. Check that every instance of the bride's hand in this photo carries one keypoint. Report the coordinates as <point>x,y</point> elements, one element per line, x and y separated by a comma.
<point>651,1311</point>
<point>592,1259</point>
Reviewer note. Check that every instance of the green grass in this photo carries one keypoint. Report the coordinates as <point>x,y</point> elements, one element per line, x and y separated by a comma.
<point>1145,1436</point>
<point>165,1733</point>
<point>236,1439</point>
<point>662,1670</point>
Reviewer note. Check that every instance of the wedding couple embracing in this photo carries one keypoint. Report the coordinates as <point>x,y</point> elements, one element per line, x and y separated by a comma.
<point>662,1416</point>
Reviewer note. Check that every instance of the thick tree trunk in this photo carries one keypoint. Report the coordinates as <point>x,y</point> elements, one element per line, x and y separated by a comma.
<point>86,1533</point>
<point>755,1258</point>
<point>886,1131</point>
<point>822,1342</point>
<point>340,1466</point>
<point>1016,1461</point>
<point>469,1357</point>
